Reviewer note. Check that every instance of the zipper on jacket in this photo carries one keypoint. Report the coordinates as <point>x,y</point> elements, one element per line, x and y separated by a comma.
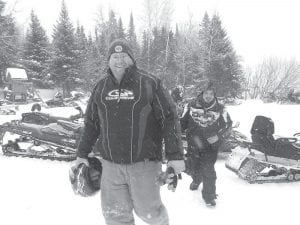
<point>120,88</point>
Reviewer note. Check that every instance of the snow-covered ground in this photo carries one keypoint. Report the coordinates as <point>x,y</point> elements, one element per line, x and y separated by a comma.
<point>37,192</point>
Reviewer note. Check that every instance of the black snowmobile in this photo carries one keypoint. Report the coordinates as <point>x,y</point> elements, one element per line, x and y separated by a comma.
<point>266,159</point>
<point>232,138</point>
<point>59,101</point>
<point>45,118</point>
<point>57,140</point>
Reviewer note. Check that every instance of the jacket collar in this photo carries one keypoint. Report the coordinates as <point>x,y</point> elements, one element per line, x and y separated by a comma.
<point>200,101</point>
<point>129,74</point>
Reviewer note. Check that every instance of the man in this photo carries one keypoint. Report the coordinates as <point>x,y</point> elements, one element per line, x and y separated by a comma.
<point>128,116</point>
<point>205,120</point>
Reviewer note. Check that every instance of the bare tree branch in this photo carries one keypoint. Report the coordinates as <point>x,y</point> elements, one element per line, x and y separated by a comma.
<point>274,77</point>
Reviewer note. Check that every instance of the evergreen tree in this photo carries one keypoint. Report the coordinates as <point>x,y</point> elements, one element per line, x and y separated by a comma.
<point>106,32</point>
<point>218,58</point>
<point>81,49</point>
<point>132,39</point>
<point>64,59</point>
<point>8,39</point>
<point>144,60</point>
<point>95,65</point>
<point>186,57</point>
<point>205,36</point>
<point>172,67</point>
<point>112,27</point>
<point>154,51</point>
<point>81,43</point>
<point>102,44</point>
<point>178,76</point>
<point>162,47</point>
<point>36,48</point>
<point>121,32</point>
<point>162,56</point>
<point>97,56</point>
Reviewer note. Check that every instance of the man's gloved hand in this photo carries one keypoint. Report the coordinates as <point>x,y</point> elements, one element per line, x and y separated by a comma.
<point>174,168</point>
<point>171,179</point>
<point>168,177</point>
<point>172,174</point>
<point>177,165</point>
<point>76,163</point>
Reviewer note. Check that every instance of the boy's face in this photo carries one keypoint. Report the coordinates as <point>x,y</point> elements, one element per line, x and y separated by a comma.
<point>208,96</point>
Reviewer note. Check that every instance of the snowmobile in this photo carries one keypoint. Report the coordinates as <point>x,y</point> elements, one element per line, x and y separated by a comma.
<point>45,118</point>
<point>56,141</point>
<point>266,159</point>
<point>7,108</point>
<point>58,101</point>
<point>232,139</point>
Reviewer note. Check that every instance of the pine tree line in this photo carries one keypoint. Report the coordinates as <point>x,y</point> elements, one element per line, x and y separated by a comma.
<point>184,57</point>
<point>8,38</point>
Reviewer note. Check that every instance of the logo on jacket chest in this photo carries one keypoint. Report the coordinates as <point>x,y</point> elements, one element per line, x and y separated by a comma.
<point>122,94</point>
<point>203,117</point>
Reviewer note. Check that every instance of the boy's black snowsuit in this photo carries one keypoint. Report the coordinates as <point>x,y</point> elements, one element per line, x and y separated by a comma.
<point>201,121</point>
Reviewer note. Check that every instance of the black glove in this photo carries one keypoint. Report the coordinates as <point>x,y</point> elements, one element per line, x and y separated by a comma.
<point>169,177</point>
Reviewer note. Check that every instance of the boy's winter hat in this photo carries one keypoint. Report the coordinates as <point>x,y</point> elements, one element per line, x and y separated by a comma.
<point>207,85</point>
<point>120,45</point>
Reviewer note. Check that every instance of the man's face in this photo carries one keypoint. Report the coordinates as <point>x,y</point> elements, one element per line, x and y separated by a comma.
<point>208,96</point>
<point>118,62</point>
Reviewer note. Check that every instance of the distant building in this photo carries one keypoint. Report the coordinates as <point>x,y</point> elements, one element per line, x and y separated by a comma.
<point>16,84</point>
<point>15,74</point>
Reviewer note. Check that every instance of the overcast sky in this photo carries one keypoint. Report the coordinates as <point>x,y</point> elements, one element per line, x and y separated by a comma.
<point>257,28</point>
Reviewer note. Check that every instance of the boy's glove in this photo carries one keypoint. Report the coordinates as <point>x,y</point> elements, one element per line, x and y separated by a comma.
<point>213,139</point>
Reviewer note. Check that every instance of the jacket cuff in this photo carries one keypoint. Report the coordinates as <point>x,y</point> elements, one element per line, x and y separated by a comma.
<point>174,156</point>
<point>82,154</point>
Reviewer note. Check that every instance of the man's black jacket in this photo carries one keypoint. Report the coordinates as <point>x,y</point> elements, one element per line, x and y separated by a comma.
<point>130,120</point>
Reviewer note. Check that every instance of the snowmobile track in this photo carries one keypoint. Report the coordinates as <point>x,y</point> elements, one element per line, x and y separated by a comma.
<point>51,158</point>
<point>248,171</point>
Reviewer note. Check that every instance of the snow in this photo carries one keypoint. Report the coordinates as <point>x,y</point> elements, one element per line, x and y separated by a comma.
<point>16,73</point>
<point>35,192</point>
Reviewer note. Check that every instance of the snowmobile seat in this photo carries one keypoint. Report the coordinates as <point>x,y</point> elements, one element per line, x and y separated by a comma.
<point>287,149</point>
<point>70,126</point>
<point>262,131</point>
<point>35,128</point>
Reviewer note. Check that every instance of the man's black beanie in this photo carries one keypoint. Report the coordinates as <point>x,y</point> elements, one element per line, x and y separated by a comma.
<point>120,45</point>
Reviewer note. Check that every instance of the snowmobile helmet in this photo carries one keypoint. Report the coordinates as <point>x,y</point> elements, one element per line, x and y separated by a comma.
<point>86,180</point>
<point>177,94</point>
<point>36,106</point>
